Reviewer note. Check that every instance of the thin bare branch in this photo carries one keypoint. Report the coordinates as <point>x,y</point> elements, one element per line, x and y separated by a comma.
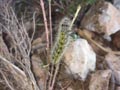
<point>50,22</point>
<point>46,27</point>
<point>9,63</point>
<point>7,82</point>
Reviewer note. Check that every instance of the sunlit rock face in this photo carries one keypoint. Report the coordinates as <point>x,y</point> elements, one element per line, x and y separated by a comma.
<point>80,59</point>
<point>103,18</point>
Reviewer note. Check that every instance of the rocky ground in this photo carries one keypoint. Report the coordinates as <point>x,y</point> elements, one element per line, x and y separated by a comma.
<point>28,32</point>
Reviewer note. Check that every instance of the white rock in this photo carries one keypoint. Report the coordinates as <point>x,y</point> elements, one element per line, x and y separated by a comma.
<point>102,18</point>
<point>80,59</point>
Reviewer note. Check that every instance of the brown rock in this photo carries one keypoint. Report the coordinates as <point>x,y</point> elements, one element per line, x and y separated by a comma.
<point>113,62</point>
<point>38,46</point>
<point>102,18</point>
<point>117,88</point>
<point>100,80</point>
<point>39,72</point>
<point>116,40</point>
<point>36,41</point>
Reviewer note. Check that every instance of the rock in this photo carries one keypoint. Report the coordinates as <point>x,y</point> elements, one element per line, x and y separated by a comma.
<point>28,26</point>
<point>102,18</point>
<point>118,88</point>
<point>80,59</point>
<point>100,80</point>
<point>113,63</point>
<point>116,3</point>
<point>69,88</point>
<point>116,40</point>
<point>38,46</point>
<point>38,71</point>
<point>36,41</point>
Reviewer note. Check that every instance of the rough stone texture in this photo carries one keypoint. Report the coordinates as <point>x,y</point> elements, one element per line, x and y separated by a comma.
<point>116,3</point>
<point>100,80</point>
<point>69,88</point>
<point>113,63</point>
<point>39,72</point>
<point>80,59</point>
<point>116,40</point>
<point>102,18</point>
<point>118,88</point>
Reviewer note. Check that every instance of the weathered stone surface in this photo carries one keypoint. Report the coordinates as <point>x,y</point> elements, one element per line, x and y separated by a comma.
<point>102,18</point>
<point>116,40</point>
<point>69,88</point>
<point>116,3</point>
<point>118,88</point>
<point>80,59</point>
<point>113,63</point>
<point>39,71</point>
<point>100,80</point>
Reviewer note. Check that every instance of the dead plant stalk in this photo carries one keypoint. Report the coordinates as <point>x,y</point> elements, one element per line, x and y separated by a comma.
<point>46,25</point>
